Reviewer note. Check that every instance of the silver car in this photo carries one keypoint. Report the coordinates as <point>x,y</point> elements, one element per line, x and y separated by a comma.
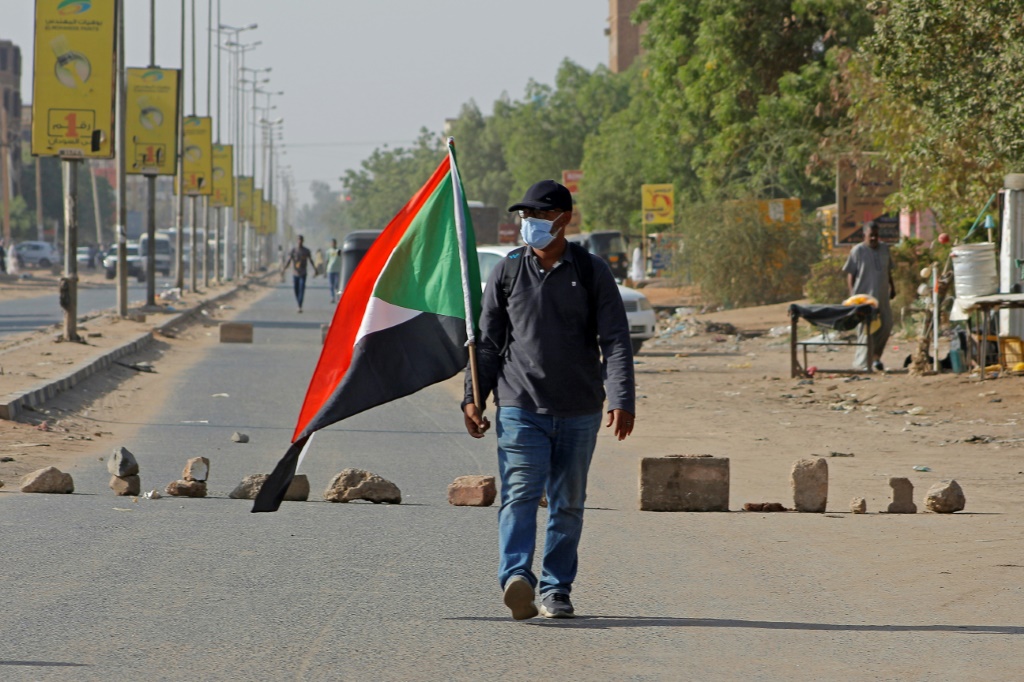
<point>639,313</point>
<point>37,254</point>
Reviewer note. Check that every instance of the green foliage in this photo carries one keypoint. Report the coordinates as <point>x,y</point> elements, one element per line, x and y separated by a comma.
<point>739,86</point>
<point>53,199</point>
<point>482,166</point>
<point>544,133</point>
<point>827,281</point>
<point>739,259</point>
<point>389,177</point>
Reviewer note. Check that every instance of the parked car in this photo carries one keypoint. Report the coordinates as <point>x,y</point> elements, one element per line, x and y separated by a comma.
<point>135,265</point>
<point>164,252</point>
<point>37,254</point>
<point>639,313</point>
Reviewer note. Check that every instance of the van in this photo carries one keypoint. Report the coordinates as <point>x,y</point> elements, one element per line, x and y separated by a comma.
<point>164,253</point>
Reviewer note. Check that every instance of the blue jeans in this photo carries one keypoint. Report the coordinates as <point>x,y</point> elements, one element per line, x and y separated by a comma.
<point>299,281</point>
<point>537,451</point>
<point>334,282</point>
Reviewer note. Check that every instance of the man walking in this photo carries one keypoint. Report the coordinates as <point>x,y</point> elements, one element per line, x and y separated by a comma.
<point>299,260</point>
<point>869,271</point>
<point>334,269</point>
<point>551,326</point>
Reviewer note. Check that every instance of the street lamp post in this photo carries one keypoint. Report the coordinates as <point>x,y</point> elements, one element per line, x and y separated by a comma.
<point>231,45</point>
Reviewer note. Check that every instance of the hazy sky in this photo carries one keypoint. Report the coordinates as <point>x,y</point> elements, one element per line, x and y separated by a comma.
<point>358,74</point>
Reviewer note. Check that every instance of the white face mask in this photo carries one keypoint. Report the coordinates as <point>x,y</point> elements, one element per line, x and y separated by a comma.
<point>537,232</point>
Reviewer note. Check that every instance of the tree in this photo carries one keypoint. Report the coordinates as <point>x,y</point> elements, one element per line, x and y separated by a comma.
<point>388,178</point>
<point>545,133</point>
<point>481,158</point>
<point>936,91</point>
<point>738,83</point>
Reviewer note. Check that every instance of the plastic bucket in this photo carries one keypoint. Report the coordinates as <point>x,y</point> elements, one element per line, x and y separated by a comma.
<point>974,269</point>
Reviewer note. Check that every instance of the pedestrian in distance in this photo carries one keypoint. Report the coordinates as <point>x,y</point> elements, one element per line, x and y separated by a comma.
<point>334,270</point>
<point>869,271</point>
<point>552,324</point>
<point>299,259</point>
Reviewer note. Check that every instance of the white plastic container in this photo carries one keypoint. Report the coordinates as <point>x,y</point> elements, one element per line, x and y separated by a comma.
<point>974,269</point>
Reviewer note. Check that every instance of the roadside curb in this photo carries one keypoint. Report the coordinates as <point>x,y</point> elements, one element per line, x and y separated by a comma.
<point>13,404</point>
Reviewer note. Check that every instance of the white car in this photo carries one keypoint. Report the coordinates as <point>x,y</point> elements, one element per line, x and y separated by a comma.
<point>639,313</point>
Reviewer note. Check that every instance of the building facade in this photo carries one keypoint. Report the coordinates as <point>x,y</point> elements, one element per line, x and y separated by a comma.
<point>623,36</point>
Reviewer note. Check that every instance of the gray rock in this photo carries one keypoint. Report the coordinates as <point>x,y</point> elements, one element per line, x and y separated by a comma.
<point>809,479</point>
<point>122,463</point>
<point>250,487</point>
<point>186,488</point>
<point>239,437</point>
<point>902,496</point>
<point>858,505</point>
<point>126,485</point>
<point>945,498</point>
<point>48,480</point>
<point>196,469</point>
<point>357,484</point>
<point>684,483</point>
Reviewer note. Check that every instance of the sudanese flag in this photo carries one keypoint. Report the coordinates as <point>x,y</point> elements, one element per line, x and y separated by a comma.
<point>404,320</point>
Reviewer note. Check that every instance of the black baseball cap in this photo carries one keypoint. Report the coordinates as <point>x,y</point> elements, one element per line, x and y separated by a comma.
<point>546,195</point>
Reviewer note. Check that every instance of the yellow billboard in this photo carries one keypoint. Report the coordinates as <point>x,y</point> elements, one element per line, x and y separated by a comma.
<point>223,179</point>
<point>198,155</point>
<point>267,226</point>
<point>245,189</point>
<point>151,121</point>
<point>73,79</point>
<point>658,204</point>
<point>257,209</point>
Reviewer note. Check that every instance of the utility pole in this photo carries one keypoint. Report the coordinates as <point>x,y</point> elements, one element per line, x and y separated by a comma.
<point>179,239</point>
<point>69,282</point>
<point>40,228</point>
<point>5,153</point>
<point>151,185</point>
<point>119,145</point>
<point>192,199</point>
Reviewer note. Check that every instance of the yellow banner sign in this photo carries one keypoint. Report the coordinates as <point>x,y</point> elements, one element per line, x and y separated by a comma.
<point>273,219</point>
<point>223,179</point>
<point>245,190</point>
<point>198,155</point>
<point>658,204</point>
<point>151,121</point>
<point>257,209</point>
<point>267,225</point>
<point>73,79</point>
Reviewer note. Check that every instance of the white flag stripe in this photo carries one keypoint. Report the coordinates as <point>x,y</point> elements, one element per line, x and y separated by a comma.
<point>381,315</point>
<point>460,229</point>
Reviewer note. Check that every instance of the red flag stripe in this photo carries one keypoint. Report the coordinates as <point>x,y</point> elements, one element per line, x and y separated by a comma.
<point>336,356</point>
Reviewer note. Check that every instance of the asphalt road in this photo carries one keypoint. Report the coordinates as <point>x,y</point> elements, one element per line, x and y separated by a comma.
<point>27,314</point>
<point>96,587</point>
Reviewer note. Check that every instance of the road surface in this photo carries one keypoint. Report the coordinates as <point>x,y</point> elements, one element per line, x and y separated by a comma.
<point>99,588</point>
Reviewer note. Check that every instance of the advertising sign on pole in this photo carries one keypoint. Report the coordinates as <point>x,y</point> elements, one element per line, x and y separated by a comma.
<point>223,180</point>
<point>257,210</point>
<point>73,79</point>
<point>245,192</point>
<point>658,204</point>
<point>862,186</point>
<point>151,121</point>
<point>198,156</point>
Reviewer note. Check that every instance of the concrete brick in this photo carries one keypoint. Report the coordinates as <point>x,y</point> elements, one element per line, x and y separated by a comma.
<point>684,483</point>
<point>235,332</point>
<point>472,491</point>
